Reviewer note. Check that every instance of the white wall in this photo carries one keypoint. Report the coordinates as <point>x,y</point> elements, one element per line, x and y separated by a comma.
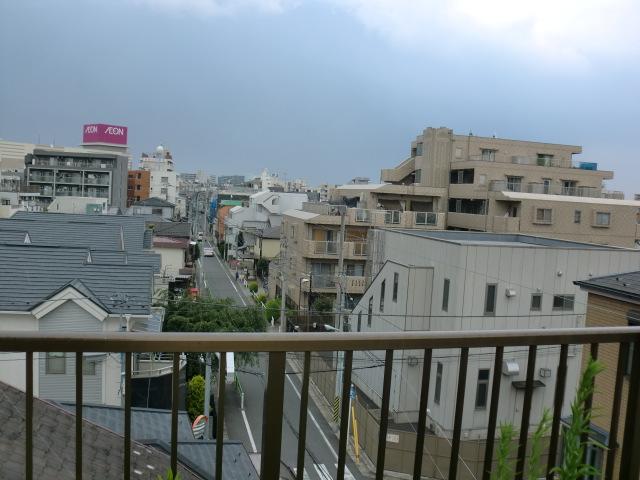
<point>12,365</point>
<point>171,260</point>
<point>423,264</point>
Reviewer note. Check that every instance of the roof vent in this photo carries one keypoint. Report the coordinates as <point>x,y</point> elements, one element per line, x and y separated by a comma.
<point>89,259</point>
<point>27,239</point>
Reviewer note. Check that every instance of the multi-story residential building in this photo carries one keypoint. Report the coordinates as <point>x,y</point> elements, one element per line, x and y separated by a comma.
<point>163,179</point>
<point>12,154</point>
<point>312,239</point>
<point>511,186</point>
<point>77,172</point>
<point>138,186</point>
<point>613,301</point>
<point>456,281</point>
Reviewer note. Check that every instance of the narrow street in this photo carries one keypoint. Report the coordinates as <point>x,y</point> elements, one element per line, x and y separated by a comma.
<point>246,424</point>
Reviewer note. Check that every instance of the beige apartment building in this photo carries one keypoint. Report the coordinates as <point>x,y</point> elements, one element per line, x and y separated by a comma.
<point>455,182</point>
<point>513,186</point>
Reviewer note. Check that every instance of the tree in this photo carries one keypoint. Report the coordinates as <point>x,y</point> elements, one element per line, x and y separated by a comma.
<point>322,305</point>
<point>262,267</point>
<point>272,309</point>
<point>196,252</point>
<point>195,397</point>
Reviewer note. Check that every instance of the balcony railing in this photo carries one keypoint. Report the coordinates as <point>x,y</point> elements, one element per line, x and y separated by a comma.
<point>72,163</point>
<point>541,188</point>
<point>96,181</point>
<point>427,343</point>
<point>41,178</point>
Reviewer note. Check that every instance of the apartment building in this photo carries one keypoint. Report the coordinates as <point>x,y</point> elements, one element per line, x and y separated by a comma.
<point>138,186</point>
<point>460,281</point>
<point>512,186</point>
<point>77,172</point>
<point>312,239</point>
<point>613,301</point>
<point>163,179</point>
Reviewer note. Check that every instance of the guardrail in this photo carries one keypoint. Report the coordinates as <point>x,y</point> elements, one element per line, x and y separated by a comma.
<point>277,345</point>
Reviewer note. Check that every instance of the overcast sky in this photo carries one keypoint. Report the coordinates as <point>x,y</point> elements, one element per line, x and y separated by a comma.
<point>323,89</point>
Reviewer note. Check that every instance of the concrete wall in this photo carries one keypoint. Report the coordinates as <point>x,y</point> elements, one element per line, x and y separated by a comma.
<point>171,260</point>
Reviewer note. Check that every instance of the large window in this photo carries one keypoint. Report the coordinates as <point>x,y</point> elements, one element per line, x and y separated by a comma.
<point>395,286</point>
<point>563,302</point>
<point>490,299</point>
<point>461,176</point>
<point>488,155</point>
<point>482,390</point>
<point>438,389</point>
<point>445,295</point>
<point>55,363</point>
<point>370,311</point>
<point>382,289</point>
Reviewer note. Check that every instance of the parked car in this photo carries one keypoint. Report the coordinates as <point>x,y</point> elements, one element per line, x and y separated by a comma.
<point>200,235</point>
<point>208,251</point>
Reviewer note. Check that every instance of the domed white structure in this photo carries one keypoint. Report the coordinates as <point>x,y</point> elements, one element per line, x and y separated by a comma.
<point>160,149</point>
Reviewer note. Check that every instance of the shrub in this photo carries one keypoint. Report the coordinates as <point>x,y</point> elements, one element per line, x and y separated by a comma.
<point>253,287</point>
<point>322,305</point>
<point>195,396</point>
<point>272,310</point>
<point>261,298</point>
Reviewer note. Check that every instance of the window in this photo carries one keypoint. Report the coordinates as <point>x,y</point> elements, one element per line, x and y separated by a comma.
<point>482,390</point>
<point>514,184</point>
<point>164,179</point>
<point>359,320</point>
<point>417,177</point>
<point>392,217</point>
<point>563,302</point>
<point>603,219</point>
<point>370,312</point>
<point>545,160</point>
<point>138,187</point>
<point>445,295</point>
<point>546,185</point>
<point>395,287</point>
<point>543,215</point>
<point>488,155</point>
<point>88,367</point>
<point>536,302</point>
<point>163,191</point>
<point>419,149</point>
<point>382,287</point>
<point>577,216</point>
<point>490,299</point>
<point>461,176</point>
<point>55,363</point>
<point>139,176</point>
<point>438,389</point>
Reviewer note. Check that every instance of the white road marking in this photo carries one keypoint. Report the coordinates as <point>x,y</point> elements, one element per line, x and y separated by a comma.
<point>347,474</point>
<point>230,280</point>
<point>322,471</point>
<point>246,424</point>
<point>315,422</point>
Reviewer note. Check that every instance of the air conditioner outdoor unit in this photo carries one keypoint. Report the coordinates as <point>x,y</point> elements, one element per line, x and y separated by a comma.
<point>510,368</point>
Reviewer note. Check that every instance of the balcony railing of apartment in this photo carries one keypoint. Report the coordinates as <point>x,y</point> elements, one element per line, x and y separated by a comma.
<point>506,224</point>
<point>545,189</point>
<point>71,162</point>
<point>97,181</point>
<point>332,248</point>
<point>72,179</point>
<point>41,178</point>
<point>395,217</point>
<point>278,345</point>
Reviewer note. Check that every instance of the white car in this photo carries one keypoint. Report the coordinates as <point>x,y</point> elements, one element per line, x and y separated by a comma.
<point>200,235</point>
<point>208,251</point>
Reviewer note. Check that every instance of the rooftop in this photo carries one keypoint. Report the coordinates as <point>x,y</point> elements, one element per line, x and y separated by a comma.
<point>622,284</point>
<point>500,239</point>
<point>154,202</point>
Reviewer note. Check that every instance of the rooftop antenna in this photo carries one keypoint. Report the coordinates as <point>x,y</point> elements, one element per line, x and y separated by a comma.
<point>494,135</point>
<point>470,133</point>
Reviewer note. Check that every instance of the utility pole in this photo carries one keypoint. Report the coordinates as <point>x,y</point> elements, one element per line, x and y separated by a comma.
<point>207,395</point>
<point>283,301</point>
<point>340,305</point>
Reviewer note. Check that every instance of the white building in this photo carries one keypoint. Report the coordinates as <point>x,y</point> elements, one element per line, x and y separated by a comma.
<point>265,210</point>
<point>450,281</point>
<point>164,179</point>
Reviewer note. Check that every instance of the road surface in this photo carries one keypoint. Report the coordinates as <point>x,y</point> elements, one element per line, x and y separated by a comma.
<point>246,424</point>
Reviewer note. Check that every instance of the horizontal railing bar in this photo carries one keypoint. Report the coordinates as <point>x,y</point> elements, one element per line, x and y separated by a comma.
<point>300,342</point>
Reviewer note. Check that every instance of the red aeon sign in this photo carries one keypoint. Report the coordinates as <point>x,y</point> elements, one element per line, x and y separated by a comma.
<point>101,133</point>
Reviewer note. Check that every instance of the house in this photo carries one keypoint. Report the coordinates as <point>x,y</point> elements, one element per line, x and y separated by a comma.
<point>154,206</point>
<point>54,431</point>
<point>459,281</point>
<point>612,301</point>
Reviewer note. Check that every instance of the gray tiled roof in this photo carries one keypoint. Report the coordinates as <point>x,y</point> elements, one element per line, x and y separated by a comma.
<point>53,445</point>
<point>154,202</point>
<point>31,274</point>
<point>270,232</point>
<point>132,226</point>
<point>146,423</point>
<point>622,284</point>
<point>173,229</point>
<point>65,234</point>
<point>200,456</point>
<point>108,257</point>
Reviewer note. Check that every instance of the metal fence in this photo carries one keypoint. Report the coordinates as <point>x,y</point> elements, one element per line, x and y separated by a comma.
<point>277,346</point>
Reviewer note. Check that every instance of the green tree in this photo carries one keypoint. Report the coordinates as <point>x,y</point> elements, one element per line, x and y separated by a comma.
<point>272,309</point>
<point>196,252</point>
<point>253,287</point>
<point>322,304</point>
<point>195,396</point>
<point>262,267</point>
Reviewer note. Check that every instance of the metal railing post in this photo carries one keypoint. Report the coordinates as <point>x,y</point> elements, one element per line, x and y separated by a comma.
<point>630,460</point>
<point>272,417</point>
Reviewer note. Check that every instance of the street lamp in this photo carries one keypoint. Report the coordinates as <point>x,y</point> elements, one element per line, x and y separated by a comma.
<point>302,280</point>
